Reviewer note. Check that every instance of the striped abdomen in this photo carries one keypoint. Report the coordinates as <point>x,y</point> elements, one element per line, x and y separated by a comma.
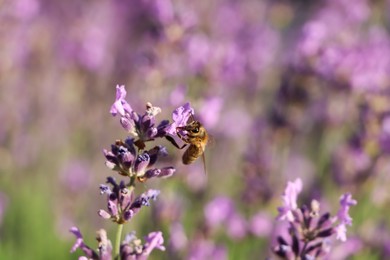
<point>192,153</point>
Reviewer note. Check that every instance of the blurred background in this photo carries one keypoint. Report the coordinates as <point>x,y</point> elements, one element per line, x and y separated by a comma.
<point>286,88</point>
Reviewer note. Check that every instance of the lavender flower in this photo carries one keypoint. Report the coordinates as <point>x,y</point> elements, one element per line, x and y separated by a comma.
<point>121,205</point>
<point>308,235</point>
<point>129,158</point>
<point>346,250</point>
<point>75,176</point>
<point>133,249</point>
<point>346,202</point>
<point>290,200</point>
<point>178,236</point>
<point>333,54</point>
<point>222,211</point>
<point>141,126</point>
<point>120,105</point>
<point>205,249</point>
<point>260,225</point>
<point>309,231</point>
<point>180,117</point>
<point>104,248</point>
<point>350,163</point>
<point>343,217</point>
<point>124,159</point>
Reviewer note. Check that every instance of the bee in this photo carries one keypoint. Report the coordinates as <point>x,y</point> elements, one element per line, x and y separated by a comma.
<point>196,137</point>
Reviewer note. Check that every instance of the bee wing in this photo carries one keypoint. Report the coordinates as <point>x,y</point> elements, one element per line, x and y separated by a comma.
<point>204,161</point>
<point>210,141</point>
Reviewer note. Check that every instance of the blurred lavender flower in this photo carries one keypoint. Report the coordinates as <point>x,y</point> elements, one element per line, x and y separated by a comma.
<point>204,249</point>
<point>104,249</point>
<point>218,210</point>
<point>260,225</point>
<point>141,126</point>
<point>343,217</point>
<point>211,111</point>
<point>348,56</point>
<point>25,9</point>
<point>240,50</point>
<point>351,163</point>
<point>309,231</point>
<point>131,248</point>
<point>177,96</point>
<point>178,236</point>
<point>75,176</point>
<point>257,166</point>
<point>289,198</point>
<point>222,212</point>
<point>345,250</point>
<point>377,236</point>
<point>121,205</point>
<point>124,159</point>
<point>120,105</point>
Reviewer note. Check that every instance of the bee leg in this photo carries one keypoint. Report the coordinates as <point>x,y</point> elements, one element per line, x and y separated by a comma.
<point>172,141</point>
<point>183,138</point>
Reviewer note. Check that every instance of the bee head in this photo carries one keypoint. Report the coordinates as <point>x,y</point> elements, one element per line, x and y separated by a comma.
<point>194,128</point>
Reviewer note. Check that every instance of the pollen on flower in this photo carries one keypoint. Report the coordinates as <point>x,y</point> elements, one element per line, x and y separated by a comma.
<point>151,110</point>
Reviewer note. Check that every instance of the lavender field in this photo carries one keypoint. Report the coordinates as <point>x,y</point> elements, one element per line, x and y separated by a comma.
<point>288,100</point>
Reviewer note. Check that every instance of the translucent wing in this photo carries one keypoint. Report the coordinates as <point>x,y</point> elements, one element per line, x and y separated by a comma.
<point>211,141</point>
<point>204,162</point>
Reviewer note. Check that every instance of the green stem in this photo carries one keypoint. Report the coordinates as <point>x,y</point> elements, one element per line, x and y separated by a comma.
<point>131,184</point>
<point>118,241</point>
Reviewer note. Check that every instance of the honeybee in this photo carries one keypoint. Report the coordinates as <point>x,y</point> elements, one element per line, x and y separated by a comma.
<point>197,138</point>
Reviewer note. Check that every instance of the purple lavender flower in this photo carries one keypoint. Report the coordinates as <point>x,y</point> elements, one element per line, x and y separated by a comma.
<point>236,226</point>
<point>346,202</point>
<point>260,225</point>
<point>141,126</point>
<point>308,230</point>
<point>222,211</point>
<point>121,205</point>
<point>133,249</point>
<point>210,112</point>
<point>75,175</point>
<point>178,236</point>
<point>384,138</point>
<point>308,235</point>
<point>124,159</point>
<point>90,253</point>
<point>180,117</point>
<point>204,249</point>
<point>290,200</point>
<point>350,162</point>
<point>218,210</point>
<point>346,250</point>
<point>343,217</point>
<point>120,105</point>
<point>334,54</point>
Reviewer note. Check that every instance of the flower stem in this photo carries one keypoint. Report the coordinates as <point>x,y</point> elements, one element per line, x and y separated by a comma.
<point>118,241</point>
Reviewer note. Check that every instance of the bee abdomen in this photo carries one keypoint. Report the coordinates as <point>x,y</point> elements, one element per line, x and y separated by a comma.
<point>191,154</point>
